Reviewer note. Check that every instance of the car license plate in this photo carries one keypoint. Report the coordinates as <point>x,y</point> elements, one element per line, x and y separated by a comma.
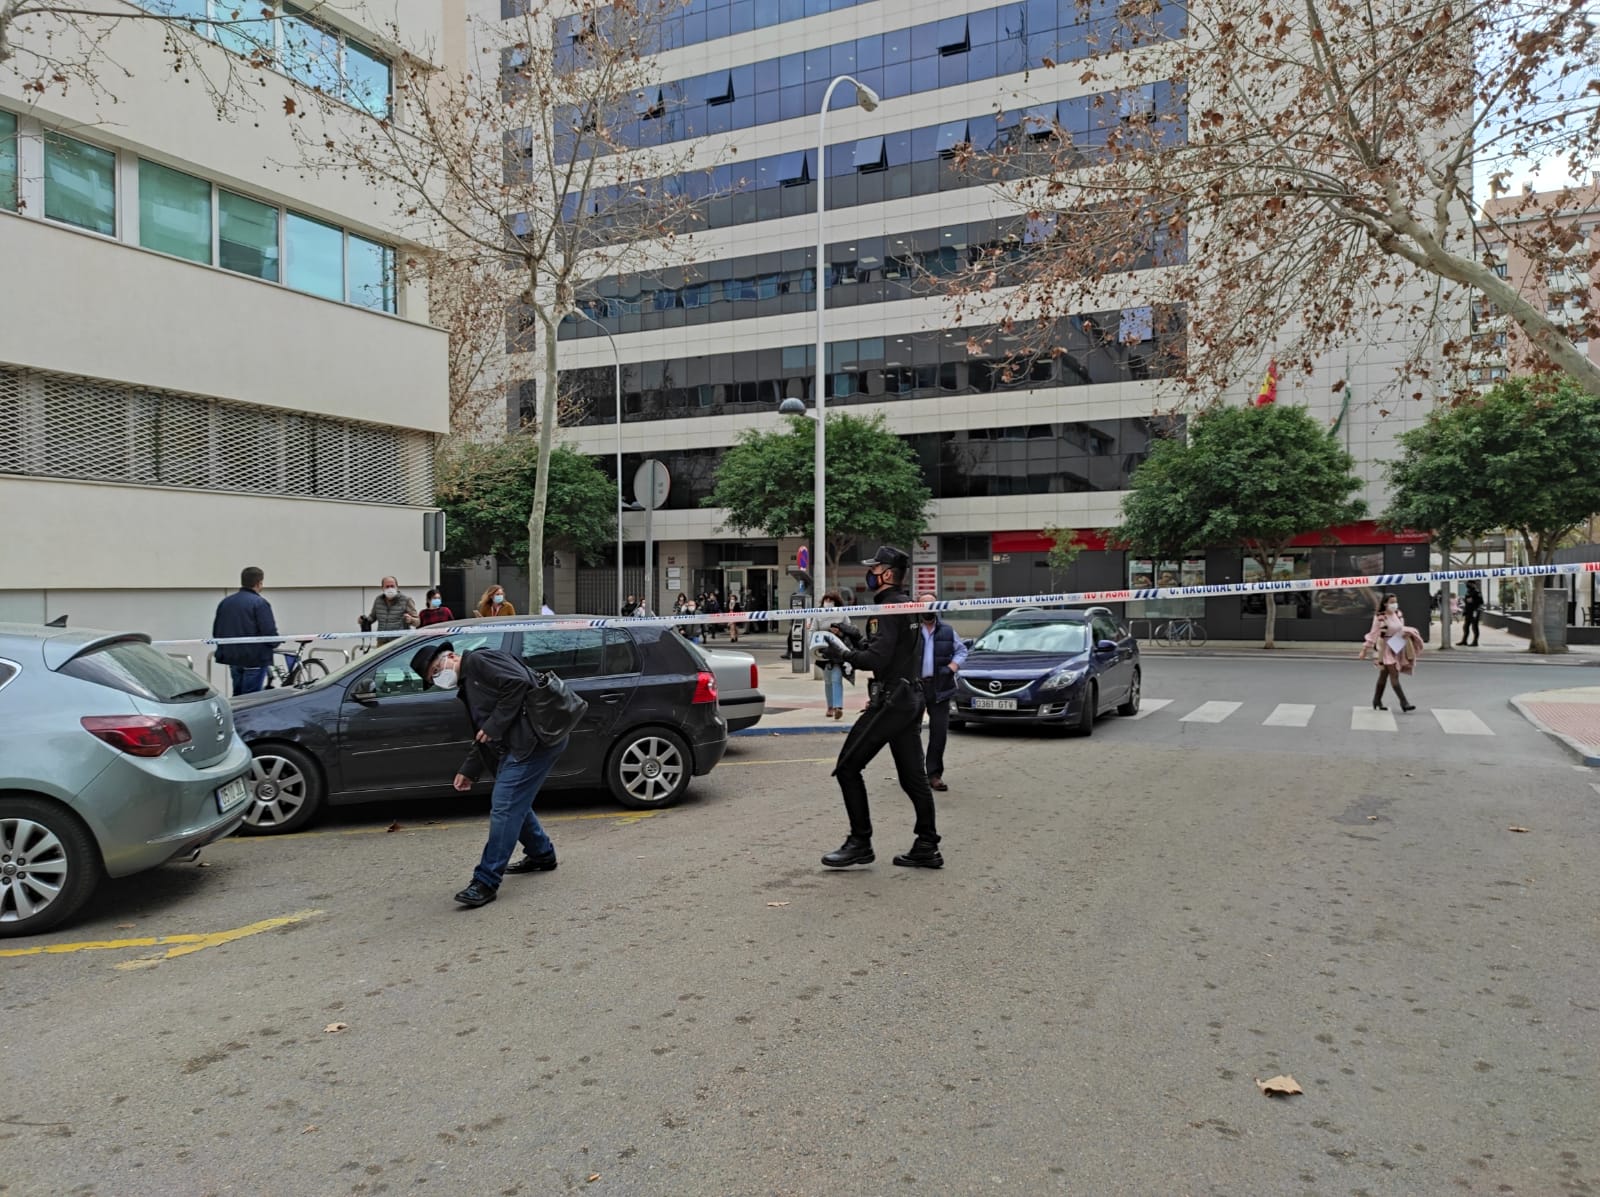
<point>230,795</point>
<point>994,704</point>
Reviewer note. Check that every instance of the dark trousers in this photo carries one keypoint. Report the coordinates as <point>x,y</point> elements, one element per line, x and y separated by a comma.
<point>1469,624</point>
<point>938,728</point>
<point>511,817</point>
<point>247,679</point>
<point>898,725</point>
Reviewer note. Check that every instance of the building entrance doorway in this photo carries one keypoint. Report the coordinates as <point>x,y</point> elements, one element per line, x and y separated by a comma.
<point>756,586</point>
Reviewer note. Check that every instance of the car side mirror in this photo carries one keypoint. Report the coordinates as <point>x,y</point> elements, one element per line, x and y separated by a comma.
<point>364,694</point>
<point>1106,647</point>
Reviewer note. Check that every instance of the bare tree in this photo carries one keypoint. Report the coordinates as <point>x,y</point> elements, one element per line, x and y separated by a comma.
<point>467,298</point>
<point>1310,175</point>
<point>521,164</point>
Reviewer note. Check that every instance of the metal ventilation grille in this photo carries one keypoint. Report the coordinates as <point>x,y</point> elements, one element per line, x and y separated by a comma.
<point>55,426</point>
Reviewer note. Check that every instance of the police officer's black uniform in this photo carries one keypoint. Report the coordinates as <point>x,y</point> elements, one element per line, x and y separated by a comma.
<point>892,651</point>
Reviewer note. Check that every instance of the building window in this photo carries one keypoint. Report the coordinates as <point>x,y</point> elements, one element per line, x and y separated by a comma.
<point>8,162</point>
<point>314,256</point>
<point>247,238</point>
<point>80,184</point>
<point>174,213</point>
<point>371,274</point>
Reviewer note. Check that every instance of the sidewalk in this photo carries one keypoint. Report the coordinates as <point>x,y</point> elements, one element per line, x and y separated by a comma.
<point>1570,716</point>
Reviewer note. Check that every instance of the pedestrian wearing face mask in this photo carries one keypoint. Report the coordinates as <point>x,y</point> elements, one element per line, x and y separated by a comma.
<point>494,686</point>
<point>495,603</point>
<point>943,654</point>
<point>892,651</point>
<point>833,675</point>
<point>1397,646</point>
<point>391,610</point>
<point>434,611</point>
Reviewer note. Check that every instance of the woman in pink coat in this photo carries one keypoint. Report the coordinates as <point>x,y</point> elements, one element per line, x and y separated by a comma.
<point>1397,646</point>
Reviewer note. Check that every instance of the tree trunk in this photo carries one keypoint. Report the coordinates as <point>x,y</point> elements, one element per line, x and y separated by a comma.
<point>1537,643</point>
<point>1269,564</point>
<point>1447,639</point>
<point>541,482</point>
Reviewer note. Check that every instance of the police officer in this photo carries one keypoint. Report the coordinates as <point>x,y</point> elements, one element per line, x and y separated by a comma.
<point>892,651</point>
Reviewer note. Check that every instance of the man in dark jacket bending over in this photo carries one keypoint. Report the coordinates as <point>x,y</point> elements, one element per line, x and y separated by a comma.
<point>892,651</point>
<point>494,685</point>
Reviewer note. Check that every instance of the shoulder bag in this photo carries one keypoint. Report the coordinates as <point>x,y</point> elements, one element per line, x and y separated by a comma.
<point>552,709</point>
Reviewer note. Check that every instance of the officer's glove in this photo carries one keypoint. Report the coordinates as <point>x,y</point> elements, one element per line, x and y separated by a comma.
<point>851,634</point>
<point>828,650</point>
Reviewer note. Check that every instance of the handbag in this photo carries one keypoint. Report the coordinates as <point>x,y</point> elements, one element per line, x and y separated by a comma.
<point>552,709</point>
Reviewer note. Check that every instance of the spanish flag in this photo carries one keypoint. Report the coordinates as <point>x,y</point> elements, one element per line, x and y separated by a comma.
<point>1269,386</point>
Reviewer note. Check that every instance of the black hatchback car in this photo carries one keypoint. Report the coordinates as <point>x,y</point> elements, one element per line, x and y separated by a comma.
<point>1056,667</point>
<point>370,732</point>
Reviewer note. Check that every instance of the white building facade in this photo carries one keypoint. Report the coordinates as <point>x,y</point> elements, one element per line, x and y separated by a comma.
<point>210,358</point>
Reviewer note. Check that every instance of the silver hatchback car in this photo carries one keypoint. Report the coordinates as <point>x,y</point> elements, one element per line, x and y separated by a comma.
<point>113,759</point>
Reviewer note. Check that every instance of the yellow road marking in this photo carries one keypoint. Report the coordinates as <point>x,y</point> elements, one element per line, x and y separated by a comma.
<point>176,945</point>
<point>798,760</point>
<point>621,816</point>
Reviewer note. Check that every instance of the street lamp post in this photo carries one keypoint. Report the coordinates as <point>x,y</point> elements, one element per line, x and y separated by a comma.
<point>617,358</point>
<point>868,99</point>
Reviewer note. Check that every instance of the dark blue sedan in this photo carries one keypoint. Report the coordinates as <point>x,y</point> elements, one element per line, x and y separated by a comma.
<point>1057,667</point>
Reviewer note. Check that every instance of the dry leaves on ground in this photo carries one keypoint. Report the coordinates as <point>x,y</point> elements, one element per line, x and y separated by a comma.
<point>593,1176</point>
<point>1279,1086</point>
<point>333,1028</point>
<point>1523,829</point>
<point>777,903</point>
<point>395,826</point>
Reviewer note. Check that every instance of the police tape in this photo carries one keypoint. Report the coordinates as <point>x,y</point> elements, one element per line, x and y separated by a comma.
<point>943,606</point>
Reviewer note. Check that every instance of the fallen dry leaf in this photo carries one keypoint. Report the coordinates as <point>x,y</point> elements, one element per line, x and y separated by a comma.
<point>1372,818</point>
<point>593,1176</point>
<point>333,1028</point>
<point>1279,1086</point>
<point>395,826</point>
<point>1516,829</point>
<point>777,903</point>
<point>202,864</point>
<point>309,1130</point>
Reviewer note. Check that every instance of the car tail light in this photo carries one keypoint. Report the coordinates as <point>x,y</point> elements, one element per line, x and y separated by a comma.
<point>137,735</point>
<point>705,688</point>
<point>755,677</point>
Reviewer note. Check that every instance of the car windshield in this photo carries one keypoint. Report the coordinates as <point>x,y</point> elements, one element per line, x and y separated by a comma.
<point>133,667</point>
<point>1034,637</point>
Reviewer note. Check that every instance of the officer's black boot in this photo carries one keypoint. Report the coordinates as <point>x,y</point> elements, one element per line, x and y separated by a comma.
<point>924,854</point>
<point>856,850</point>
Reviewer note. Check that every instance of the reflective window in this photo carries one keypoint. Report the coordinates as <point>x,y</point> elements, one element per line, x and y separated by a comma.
<point>8,162</point>
<point>368,79</point>
<point>315,258</point>
<point>371,269</point>
<point>80,184</point>
<point>247,236</point>
<point>174,212</point>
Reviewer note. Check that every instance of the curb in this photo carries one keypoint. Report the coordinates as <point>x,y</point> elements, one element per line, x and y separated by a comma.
<point>1577,747</point>
<point>818,730</point>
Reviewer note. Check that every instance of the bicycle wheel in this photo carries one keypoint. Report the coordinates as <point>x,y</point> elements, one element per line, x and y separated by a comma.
<point>306,672</point>
<point>1162,635</point>
<point>1197,634</point>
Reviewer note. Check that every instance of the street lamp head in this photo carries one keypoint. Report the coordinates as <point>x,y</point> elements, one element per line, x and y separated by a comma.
<point>866,97</point>
<point>792,407</point>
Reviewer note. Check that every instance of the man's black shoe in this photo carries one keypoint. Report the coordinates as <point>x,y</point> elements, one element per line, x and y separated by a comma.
<point>936,782</point>
<point>924,854</point>
<point>533,864</point>
<point>477,894</point>
<point>852,852</point>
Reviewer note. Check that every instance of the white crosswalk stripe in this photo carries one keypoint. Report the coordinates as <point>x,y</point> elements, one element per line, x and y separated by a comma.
<point>1147,707</point>
<point>1368,719</point>
<point>1460,723</point>
<point>1290,714</point>
<point>1452,721</point>
<point>1211,712</point>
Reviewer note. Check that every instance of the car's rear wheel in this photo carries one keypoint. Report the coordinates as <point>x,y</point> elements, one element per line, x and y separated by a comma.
<point>285,790</point>
<point>1086,713</point>
<point>1130,705</point>
<point>49,865</point>
<point>649,768</point>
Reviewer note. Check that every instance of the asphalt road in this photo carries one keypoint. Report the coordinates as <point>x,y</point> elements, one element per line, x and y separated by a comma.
<point>1130,930</point>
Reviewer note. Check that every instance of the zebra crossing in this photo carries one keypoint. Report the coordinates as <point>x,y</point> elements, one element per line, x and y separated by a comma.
<point>1452,721</point>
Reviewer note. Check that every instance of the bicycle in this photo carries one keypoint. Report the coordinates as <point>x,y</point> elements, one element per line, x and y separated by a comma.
<point>1190,633</point>
<point>299,669</point>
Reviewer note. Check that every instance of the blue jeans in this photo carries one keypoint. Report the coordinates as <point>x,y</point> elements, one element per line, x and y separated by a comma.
<point>511,817</point>
<point>247,679</point>
<point>833,686</point>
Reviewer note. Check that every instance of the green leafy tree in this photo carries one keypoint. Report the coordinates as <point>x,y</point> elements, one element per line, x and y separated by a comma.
<point>875,492</point>
<point>1255,477</point>
<point>485,489</point>
<point>1064,550</point>
<point>1521,457</point>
